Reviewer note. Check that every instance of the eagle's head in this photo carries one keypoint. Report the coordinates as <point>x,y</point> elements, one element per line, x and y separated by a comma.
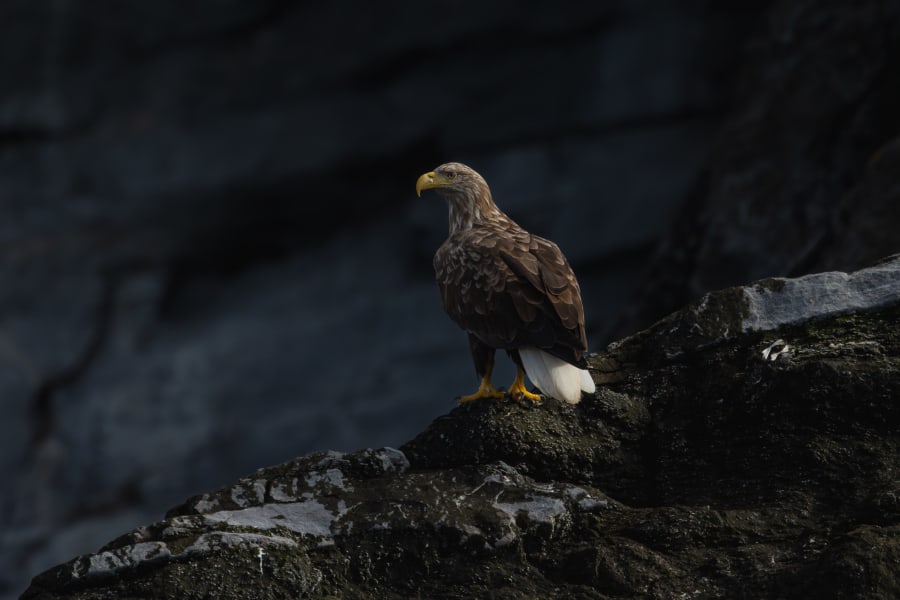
<point>466,192</point>
<point>452,180</point>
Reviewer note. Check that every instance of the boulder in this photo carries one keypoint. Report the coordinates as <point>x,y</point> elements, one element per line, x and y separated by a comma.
<point>744,446</point>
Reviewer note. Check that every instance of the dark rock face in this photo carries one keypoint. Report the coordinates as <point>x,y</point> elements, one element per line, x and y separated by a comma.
<point>733,449</point>
<point>802,175</point>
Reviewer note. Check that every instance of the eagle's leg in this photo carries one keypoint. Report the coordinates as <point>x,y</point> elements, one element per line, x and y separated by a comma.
<point>483,357</point>
<point>485,390</point>
<point>517,390</point>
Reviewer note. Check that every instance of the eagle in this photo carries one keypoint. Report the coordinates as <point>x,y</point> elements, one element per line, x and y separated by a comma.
<point>510,290</point>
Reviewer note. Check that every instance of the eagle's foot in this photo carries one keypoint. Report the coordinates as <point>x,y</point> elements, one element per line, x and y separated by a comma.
<point>523,394</point>
<point>518,391</point>
<point>485,390</point>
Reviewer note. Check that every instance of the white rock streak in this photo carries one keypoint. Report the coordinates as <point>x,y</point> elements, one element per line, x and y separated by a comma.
<point>308,518</point>
<point>539,509</point>
<point>821,295</point>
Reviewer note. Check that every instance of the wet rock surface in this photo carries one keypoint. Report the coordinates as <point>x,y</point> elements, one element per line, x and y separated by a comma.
<point>761,461</point>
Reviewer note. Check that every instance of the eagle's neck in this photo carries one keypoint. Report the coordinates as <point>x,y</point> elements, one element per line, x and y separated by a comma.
<point>472,208</point>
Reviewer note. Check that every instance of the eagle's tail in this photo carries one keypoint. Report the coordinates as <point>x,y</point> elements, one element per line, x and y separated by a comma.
<point>555,377</point>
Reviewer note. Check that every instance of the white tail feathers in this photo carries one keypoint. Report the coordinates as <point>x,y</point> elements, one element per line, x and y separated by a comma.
<point>555,377</point>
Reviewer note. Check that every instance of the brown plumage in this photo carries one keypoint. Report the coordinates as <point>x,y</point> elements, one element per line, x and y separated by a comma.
<point>509,289</point>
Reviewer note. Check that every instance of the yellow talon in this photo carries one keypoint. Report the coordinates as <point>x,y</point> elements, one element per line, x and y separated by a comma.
<point>485,390</point>
<point>517,390</point>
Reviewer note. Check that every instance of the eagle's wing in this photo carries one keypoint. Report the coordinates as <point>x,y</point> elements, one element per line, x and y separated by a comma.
<point>512,289</point>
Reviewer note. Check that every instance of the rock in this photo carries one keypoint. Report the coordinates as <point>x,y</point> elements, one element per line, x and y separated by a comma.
<point>728,452</point>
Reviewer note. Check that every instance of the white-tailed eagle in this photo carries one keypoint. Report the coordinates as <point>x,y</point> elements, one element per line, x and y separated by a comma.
<point>510,290</point>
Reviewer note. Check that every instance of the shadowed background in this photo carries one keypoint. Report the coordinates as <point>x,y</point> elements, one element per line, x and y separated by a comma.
<point>211,254</point>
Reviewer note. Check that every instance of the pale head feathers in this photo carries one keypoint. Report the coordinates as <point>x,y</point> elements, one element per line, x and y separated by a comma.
<point>467,194</point>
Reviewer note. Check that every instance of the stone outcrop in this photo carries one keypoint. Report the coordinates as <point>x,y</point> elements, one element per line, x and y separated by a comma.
<point>745,446</point>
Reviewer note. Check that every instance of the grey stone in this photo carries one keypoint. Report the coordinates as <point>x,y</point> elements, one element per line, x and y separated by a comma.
<point>779,301</point>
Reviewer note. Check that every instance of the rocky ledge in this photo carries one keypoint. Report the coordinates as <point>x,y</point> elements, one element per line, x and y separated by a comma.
<point>746,446</point>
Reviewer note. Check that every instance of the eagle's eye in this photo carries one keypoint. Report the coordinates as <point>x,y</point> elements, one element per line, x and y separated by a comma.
<point>451,174</point>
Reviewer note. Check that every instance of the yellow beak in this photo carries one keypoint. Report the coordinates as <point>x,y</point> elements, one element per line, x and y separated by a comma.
<point>429,181</point>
